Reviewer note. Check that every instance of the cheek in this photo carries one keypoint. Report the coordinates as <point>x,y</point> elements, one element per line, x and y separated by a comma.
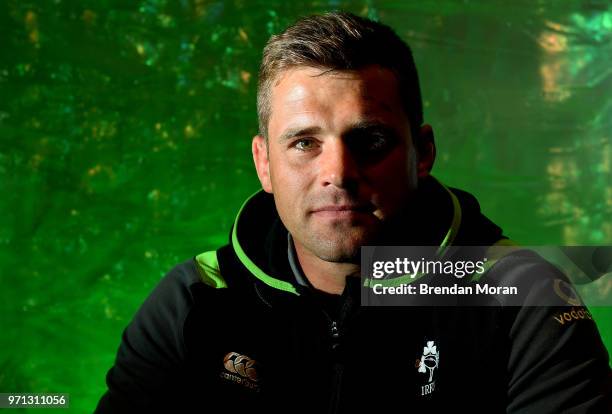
<point>393,179</point>
<point>289,189</point>
<point>290,173</point>
<point>278,170</point>
<point>284,178</point>
<point>398,168</point>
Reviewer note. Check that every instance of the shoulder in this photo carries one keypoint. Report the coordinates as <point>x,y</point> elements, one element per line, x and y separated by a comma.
<point>186,282</point>
<point>176,291</point>
<point>534,280</point>
<point>556,359</point>
<point>162,316</point>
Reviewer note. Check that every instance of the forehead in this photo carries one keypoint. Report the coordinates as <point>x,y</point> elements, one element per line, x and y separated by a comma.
<point>314,95</point>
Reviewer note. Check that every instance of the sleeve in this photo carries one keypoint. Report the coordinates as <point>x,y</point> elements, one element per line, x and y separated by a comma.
<point>557,361</point>
<point>147,369</point>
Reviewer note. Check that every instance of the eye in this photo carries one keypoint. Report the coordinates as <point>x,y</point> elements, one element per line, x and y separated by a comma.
<point>304,144</point>
<point>377,143</point>
<point>372,144</point>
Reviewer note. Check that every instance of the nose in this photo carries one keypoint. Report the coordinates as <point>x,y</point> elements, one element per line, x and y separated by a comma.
<point>338,166</point>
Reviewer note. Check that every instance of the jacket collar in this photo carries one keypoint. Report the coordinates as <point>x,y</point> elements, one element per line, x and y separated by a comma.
<point>259,238</point>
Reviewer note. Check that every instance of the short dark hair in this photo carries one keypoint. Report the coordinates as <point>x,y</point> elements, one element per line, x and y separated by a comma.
<point>338,41</point>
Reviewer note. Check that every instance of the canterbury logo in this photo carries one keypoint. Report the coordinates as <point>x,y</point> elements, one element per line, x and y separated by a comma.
<point>241,370</point>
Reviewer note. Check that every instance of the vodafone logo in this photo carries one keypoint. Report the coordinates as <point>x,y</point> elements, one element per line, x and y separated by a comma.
<point>240,369</point>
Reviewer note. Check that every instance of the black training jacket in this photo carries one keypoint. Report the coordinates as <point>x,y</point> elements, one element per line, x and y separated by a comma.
<point>230,331</point>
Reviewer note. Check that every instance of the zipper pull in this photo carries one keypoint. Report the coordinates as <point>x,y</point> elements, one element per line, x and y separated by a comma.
<point>334,330</point>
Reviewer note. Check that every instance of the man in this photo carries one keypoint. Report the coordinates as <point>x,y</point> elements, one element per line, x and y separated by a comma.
<point>272,321</point>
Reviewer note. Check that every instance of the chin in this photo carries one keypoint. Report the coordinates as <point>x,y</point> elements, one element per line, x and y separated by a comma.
<point>341,250</point>
<point>341,256</point>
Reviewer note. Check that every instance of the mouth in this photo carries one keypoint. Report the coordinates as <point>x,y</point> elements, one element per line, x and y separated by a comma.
<point>344,207</point>
<point>343,210</point>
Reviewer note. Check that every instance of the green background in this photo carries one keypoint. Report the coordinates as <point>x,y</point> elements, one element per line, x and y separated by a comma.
<point>125,146</point>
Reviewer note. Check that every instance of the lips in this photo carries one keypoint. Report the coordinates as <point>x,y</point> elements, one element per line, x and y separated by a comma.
<point>340,208</point>
<point>344,208</point>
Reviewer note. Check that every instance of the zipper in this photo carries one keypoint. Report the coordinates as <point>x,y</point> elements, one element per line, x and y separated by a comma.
<point>335,334</point>
<point>337,369</point>
<point>334,402</point>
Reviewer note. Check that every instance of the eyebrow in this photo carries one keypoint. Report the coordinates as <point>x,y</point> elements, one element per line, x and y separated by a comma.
<point>362,126</point>
<point>370,127</point>
<point>298,132</point>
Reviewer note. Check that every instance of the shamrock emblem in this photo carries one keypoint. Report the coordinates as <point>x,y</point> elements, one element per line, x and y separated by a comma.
<point>429,360</point>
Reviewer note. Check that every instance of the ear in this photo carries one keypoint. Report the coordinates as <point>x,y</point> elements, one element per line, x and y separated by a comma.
<point>426,150</point>
<point>259,147</point>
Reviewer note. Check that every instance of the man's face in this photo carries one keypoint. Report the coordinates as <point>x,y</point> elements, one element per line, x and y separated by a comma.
<point>339,159</point>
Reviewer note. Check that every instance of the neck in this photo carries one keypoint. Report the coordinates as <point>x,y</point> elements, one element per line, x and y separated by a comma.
<point>329,277</point>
